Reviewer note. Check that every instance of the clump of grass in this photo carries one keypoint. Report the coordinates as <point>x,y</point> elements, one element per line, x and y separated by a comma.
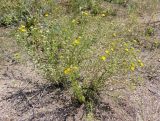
<point>149,31</point>
<point>82,5</point>
<point>121,2</point>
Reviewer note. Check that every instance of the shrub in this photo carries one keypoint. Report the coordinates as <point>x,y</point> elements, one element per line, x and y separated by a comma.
<point>82,60</point>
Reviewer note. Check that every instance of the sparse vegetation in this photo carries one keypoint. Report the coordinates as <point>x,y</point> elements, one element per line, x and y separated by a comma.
<point>82,45</point>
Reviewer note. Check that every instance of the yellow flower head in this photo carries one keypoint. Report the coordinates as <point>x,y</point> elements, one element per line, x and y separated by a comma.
<point>61,56</point>
<point>103,15</point>
<point>22,28</point>
<point>85,13</point>
<point>156,42</point>
<point>75,68</point>
<point>73,21</point>
<point>46,14</point>
<point>112,49</point>
<point>103,58</point>
<point>107,52</point>
<point>141,63</point>
<point>67,71</point>
<point>127,50</point>
<point>135,41</point>
<point>70,70</point>
<point>114,35</point>
<point>132,67</point>
<point>125,44</point>
<point>79,37</point>
<point>77,41</point>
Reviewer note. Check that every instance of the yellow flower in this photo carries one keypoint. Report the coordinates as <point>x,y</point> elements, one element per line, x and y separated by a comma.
<point>103,58</point>
<point>67,71</point>
<point>138,51</point>
<point>156,42</point>
<point>112,49</point>
<point>22,28</point>
<point>84,13</point>
<point>61,56</point>
<point>79,37</point>
<point>75,68</point>
<point>73,21</point>
<point>141,63</point>
<point>125,44</point>
<point>107,52</point>
<point>103,15</point>
<point>70,70</point>
<point>132,67</point>
<point>126,50</point>
<point>77,41</point>
<point>135,41</point>
<point>114,35</point>
<point>46,14</point>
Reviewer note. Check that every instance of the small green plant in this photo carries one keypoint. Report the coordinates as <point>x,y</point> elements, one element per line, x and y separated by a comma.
<point>149,31</point>
<point>8,20</point>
